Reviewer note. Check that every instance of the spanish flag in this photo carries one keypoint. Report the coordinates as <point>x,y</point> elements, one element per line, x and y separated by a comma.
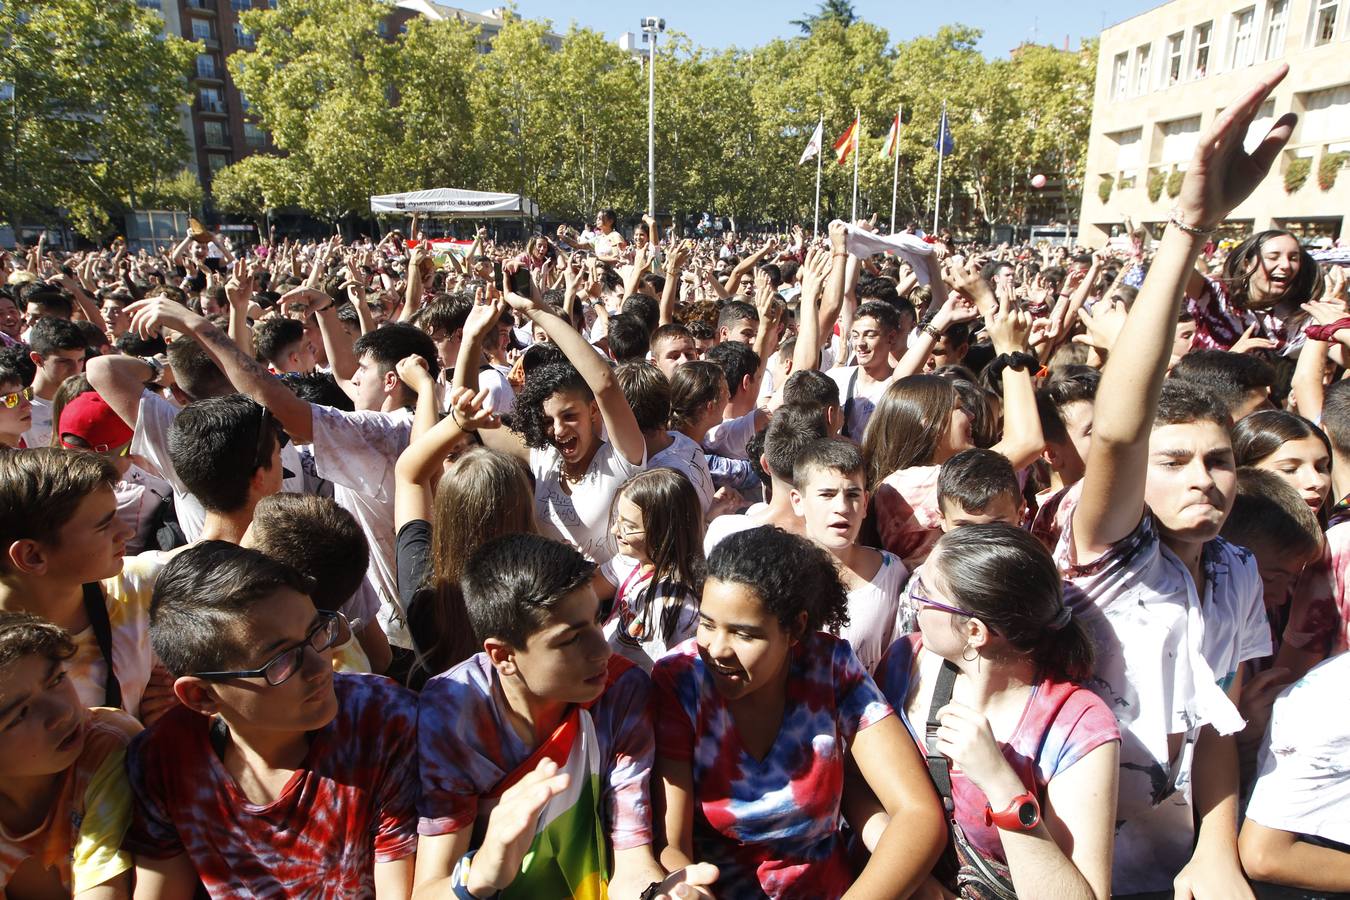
<point>888,149</point>
<point>847,143</point>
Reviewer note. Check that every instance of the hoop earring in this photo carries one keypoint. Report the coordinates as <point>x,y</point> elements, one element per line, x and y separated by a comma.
<point>969,649</point>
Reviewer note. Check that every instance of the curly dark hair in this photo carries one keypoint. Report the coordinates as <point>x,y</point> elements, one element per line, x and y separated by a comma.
<point>789,574</point>
<point>528,417</point>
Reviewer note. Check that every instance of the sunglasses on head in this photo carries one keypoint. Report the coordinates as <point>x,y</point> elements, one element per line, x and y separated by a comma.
<point>12,399</point>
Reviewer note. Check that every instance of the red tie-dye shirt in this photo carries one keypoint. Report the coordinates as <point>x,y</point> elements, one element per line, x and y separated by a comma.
<point>352,804</point>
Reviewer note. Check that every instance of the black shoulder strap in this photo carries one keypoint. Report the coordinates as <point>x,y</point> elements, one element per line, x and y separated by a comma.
<point>97,610</point>
<point>848,400</point>
<point>939,767</point>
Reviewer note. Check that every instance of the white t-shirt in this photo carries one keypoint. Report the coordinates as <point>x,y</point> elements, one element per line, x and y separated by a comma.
<point>357,451</point>
<point>730,437</point>
<point>865,397</point>
<point>579,514</point>
<point>625,628</point>
<point>874,612</point>
<point>724,527</point>
<point>150,441</point>
<point>1303,777</point>
<point>1166,654</point>
<point>687,457</point>
<point>39,433</point>
<point>499,389</point>
<point>139,496</point>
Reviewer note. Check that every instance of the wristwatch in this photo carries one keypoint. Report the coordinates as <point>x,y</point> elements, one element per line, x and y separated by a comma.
<point>1022,814</point>
<point>156,369</point>
<point>459,879</point>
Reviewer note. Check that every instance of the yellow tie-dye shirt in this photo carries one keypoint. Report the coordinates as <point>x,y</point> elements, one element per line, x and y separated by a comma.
<point>128,600</point>
<point>81,837</point>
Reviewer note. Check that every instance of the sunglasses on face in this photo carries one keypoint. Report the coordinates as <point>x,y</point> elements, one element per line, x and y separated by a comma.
<point>331,630</point>
<point>268,429</point>
<point>13,399</point>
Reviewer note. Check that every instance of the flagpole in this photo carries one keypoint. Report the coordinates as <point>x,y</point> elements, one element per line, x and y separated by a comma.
<point>942,133</point>
<point>820,158</point>
<point>895,170</point>
<point>857,151</point>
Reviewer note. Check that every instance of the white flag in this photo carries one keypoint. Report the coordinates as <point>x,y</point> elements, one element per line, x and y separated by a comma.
<point>813,146</point>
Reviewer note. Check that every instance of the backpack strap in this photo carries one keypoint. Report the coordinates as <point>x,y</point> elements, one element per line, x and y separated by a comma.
<point>96,608</point>
<point>848,400</point>
<point>939,767</point>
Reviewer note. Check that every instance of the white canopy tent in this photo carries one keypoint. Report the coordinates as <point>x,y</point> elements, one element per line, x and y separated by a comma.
<point>455,202</point>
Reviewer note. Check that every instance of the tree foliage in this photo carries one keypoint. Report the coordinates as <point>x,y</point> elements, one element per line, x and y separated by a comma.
<point>91,120</point>
<point>356,113</point>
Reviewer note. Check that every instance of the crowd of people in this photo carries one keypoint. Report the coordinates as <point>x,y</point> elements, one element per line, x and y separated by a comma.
<point>873,565</point>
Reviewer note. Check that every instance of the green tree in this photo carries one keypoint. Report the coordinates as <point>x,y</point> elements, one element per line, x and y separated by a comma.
<point>256,186</point>
<point>837,11</point>
<point>93,119</point>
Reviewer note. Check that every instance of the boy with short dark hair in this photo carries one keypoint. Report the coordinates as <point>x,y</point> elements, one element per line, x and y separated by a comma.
<point>67,801</point>
<point>671,346</point>
<point>1175,610</point>
<point>545,685</point>
<point>281,344</point>
<point>976,487</point>
<point>1241,382</point>
<point>62,559</point>
<point>275,774</point>
<point>648,393</point>
<point>58,349</point>
<point>829,492</point>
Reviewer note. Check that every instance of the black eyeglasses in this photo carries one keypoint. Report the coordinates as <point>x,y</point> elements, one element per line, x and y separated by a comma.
<point>332,629</point>
<point>268,428</point>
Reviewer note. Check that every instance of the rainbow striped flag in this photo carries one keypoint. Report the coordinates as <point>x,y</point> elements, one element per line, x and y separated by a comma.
<point>568,857</point>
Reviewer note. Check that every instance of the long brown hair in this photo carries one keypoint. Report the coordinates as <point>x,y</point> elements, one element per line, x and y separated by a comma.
<point>672,518</point>
<point>908,423</point>
<point>484,495</point>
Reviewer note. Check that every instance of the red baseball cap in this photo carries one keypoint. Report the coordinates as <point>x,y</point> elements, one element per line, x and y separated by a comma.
<point>89,418</point>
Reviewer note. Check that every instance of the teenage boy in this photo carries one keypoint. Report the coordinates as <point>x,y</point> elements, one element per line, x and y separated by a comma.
<point>65,800</point>
<point>793,428</point>
<point>741,418</point>
<point>275,776</point>
<point>283,345</point>
<point>63,549</point>
<point>227,453</point>
<point>829,492</point>
<point>875,338</point>
<point>1175,609</point>
<point>356,451</point>
<point>976,487</point>
<point>16,399</point>
<point>648,393</point>
<point>672,346</point>
<point>545,687</point>
<point>57,349</point>
<point>444,320</point>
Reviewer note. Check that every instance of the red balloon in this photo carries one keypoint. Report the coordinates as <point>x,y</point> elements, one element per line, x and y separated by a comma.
<point>1038,181</point>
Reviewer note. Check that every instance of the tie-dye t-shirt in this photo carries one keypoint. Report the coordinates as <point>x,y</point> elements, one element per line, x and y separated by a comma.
<point>771,825</point>
<point>127,596</point>
<point>909,520</point>
<point>352,804</point>
<point>468,747</point>
<point>1061,724</point>
<point>81,837</point>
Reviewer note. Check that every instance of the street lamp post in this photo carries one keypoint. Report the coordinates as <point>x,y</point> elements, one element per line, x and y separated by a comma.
<point>651,27</point>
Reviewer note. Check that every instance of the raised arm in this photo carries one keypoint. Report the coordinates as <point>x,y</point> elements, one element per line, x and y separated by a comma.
<point>747,264</point>
<point>833,299</point>
<point>620,423</point>
<point>239,292</point>
<point>244,372</point>
<point>120,381</point>
<point>815,270</point>
<point>1219,177</point>
<point>1022,440</point>
<point>673,269</point>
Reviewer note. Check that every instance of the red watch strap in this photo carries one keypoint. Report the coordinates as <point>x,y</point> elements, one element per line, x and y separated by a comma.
<point>1010,818</point>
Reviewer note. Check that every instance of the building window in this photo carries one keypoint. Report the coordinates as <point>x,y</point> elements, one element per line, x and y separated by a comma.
<point>214,133</point>
<point>1277,23</point>
<point>206,65</point>
<point>1120,76</point>
<point>1326,118</point>
<point>1179,138</point>
<point>1174,56</point>
<point>1129,155</point>
<point>217,161</point>
<point>1260,127</point>
<point>201,30</point>
<point>1200,36</point>
<point>241,5</point>
<point>1143,58</point>
<point>254,136</point>
<point>243,37</point>
<point>1243,42</point>
<point>151,4</point>
<point>1324,21</point>
<point>209,100</point>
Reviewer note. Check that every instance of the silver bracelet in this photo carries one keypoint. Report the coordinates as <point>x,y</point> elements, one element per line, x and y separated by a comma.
<point>1175,219</point>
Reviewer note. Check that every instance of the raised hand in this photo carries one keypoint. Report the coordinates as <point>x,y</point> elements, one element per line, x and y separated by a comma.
<point>1248,342</point>
<point>412,371</point>
<point>473,411</point>
<point>1008,327</point>
<point>239,289</point>
<point>1221,173</point>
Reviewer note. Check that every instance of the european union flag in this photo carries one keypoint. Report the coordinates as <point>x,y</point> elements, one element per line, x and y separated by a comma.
<point>944,145</point>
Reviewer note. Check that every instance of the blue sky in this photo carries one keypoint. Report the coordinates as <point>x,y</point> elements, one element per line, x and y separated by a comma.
<point>722,23</point>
